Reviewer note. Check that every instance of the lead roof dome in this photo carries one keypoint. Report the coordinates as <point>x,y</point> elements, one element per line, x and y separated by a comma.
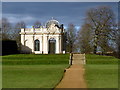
<point>53,21</point>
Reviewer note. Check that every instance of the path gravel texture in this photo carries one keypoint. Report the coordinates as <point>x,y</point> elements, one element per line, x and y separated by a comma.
<point>74,76</point>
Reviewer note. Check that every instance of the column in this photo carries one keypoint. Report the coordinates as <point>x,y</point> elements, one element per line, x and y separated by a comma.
<point>41,44</point>
<point>60,44</point>
<point>22,36</point>
<point>33,43</point>
<point>57,45</point>
<point>45,46</point>
<point>22,39</point>
<point>22,42</point>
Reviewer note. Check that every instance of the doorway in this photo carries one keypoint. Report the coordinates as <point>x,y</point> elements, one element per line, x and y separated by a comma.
<point>52,46</point>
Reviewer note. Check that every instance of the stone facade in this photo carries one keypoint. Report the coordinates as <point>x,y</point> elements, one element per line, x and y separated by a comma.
<point>43,40</point>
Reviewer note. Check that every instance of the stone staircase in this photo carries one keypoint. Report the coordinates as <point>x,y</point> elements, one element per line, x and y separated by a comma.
<point>78,59</point>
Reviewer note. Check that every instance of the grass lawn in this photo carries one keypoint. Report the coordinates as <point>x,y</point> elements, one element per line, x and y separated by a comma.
<point>101,71</point>
<point>33,71</point>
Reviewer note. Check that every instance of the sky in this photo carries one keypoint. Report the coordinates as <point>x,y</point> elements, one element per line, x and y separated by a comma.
<point>64,12</point>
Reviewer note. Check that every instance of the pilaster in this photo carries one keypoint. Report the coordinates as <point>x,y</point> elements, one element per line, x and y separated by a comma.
<point>45,46</point>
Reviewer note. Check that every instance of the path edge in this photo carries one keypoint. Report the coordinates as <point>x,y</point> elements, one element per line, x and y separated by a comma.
<point>61,77</point>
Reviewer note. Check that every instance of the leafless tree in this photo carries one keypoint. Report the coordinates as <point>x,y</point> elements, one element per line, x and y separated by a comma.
<point>84,39</point>
<point>71,37</point>
<point>118,43</point>
<point>6,27</point>
<point>116,39</point>
<point>22,24</point>
<point>101,20</point>
<point>16,32</point>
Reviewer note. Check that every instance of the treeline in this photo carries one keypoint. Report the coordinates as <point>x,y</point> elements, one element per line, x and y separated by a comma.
<point>99,33</point>
<point>11,32</point>
<point>10,37</point>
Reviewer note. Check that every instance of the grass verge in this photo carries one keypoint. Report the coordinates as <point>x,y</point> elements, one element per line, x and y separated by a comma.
<point>42,72</point>
<point>101,71</point>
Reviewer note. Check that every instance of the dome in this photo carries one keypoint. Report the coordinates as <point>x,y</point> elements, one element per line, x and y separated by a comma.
<point>53,21</point>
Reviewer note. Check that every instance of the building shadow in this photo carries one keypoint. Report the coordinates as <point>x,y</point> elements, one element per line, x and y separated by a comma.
<point>25,49</point>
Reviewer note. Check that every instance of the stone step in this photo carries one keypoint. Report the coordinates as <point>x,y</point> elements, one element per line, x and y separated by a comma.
<point>78,55</point>
<point>78,59</point>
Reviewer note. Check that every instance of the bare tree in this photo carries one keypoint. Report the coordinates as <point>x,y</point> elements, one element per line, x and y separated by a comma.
<point>22,24</point>
<point>101,20</point>
<point>118,34</point>
<point>116,39</point>
<point>0,29</point>
<point>37,24</point>
<point>16,32</point>
<point>84,39</point>
<point>118,43</point>
<point>17,29</point>
<point>71,37</point>
<point>6,27</point>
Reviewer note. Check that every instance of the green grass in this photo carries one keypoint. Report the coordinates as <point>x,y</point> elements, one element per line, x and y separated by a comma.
<point>40,72</point>
<point>32,76</point>
<point>99,59</point>
<point>32,59</point>
<point>101,71</point>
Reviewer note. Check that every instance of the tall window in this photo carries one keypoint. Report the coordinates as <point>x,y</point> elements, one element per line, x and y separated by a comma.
<point>37,45</point>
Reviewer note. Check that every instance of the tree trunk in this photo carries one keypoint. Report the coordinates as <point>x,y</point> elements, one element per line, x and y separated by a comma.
<point>95,42</point>
<point>95,49</point>
<point>70,48</point>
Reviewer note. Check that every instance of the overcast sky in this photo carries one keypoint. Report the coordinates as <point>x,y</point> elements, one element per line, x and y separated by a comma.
<point>64,12</point>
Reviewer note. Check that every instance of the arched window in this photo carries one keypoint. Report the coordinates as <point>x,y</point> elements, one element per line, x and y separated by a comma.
<point>37,45</point>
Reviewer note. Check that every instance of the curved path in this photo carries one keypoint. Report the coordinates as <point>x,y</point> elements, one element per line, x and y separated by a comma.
<point>74,76</point>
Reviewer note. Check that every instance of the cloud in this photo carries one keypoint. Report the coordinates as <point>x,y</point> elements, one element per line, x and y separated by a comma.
<point>64,12</point>
<point>15,18</point>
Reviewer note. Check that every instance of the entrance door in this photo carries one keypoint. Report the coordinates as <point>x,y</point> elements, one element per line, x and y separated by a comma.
<point>52,43</point>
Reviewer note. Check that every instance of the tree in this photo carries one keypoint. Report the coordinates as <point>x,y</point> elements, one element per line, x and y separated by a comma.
<point>0,29</point>
<point>101,20</point>
<point>118,42</point>
<point>84,39</point>
<point>116,39</point>
<point>16,32</point>
<point>17,29</point>
<point>6,27</point>
<point>71,37</point>
<point>37,24</point>
<point>22,24</point>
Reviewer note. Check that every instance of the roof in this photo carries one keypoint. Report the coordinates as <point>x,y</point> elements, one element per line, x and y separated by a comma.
<point>53,21</point>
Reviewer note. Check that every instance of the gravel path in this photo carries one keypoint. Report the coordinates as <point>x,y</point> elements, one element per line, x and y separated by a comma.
<point>74,76</point>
